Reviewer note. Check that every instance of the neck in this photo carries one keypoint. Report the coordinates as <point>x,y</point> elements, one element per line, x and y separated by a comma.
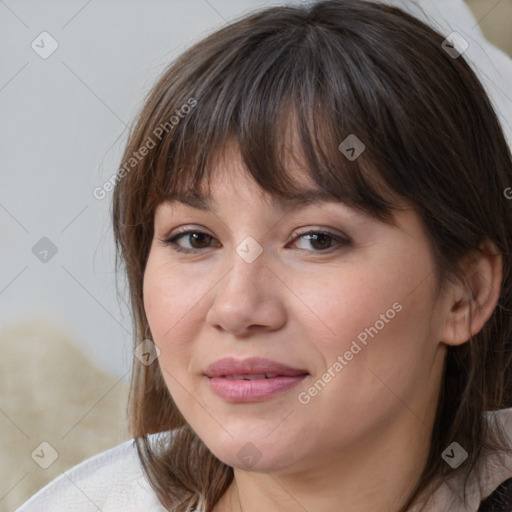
<point>377,476</point>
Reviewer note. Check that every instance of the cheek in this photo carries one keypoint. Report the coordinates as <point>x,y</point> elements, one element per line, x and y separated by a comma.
<point>377,316</point>
<point>169,305</point>
<point>346,305</point>
<point>171,296</point>
<point>383,331</point>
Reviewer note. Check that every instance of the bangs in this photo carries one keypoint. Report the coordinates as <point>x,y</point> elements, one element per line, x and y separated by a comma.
<point>284,111</point>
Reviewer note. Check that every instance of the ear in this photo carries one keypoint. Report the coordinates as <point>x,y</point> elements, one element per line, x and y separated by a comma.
<point>471,303</point>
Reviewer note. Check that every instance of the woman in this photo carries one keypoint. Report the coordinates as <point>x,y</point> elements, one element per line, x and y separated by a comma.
<point>313,218</point>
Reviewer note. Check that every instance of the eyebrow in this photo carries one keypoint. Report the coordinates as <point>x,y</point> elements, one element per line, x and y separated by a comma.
<point>305,198</point>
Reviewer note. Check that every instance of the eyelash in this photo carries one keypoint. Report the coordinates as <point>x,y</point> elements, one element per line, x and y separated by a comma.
<point>343,242</point>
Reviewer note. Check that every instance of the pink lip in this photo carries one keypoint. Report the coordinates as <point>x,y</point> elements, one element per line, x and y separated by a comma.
<point>242,390</point>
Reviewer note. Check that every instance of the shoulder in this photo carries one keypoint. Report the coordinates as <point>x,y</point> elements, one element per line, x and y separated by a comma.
<point>487,489</point>
<point>497,472</point>
<point>108,482</point>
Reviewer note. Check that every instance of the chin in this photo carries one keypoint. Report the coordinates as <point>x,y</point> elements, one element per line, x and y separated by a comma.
<point>252,452</point>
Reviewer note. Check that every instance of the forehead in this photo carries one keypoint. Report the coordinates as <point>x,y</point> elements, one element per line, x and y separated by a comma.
<point>228,177</point>
<point>282,181</point>
<point>304,198</point>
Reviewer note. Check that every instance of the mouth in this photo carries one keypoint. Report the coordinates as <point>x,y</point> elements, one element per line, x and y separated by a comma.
<point>249,376</point>
<point>251,380</point>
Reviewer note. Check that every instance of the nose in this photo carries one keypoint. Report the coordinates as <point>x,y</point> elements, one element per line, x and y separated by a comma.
<point>248,299</point>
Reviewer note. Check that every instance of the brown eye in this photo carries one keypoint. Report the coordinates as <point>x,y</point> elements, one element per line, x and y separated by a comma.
<point>321,241</point>
<point>194,240</point>
<point>199,240</point>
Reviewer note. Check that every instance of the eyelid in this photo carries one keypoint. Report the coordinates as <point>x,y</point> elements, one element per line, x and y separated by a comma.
<point>174,233</point>
<point>341,237</point>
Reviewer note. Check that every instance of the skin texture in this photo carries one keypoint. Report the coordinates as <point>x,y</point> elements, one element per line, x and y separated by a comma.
<point>361,442</point>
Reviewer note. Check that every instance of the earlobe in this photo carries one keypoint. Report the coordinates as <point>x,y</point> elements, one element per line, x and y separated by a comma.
<point>472,303</point>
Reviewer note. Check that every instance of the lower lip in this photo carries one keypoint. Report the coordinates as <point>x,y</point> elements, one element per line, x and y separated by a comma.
<point>239,391</point>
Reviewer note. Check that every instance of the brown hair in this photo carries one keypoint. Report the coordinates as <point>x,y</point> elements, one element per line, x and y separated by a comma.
<point>326,70</point>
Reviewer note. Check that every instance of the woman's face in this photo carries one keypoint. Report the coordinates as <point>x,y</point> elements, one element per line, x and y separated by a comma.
<point>335,307</point>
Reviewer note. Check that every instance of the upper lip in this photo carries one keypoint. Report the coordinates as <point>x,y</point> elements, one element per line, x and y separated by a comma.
<point>250,366</point>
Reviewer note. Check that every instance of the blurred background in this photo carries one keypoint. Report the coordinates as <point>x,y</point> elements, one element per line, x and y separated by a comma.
<point>495,21</point>
<point>72,77</point>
